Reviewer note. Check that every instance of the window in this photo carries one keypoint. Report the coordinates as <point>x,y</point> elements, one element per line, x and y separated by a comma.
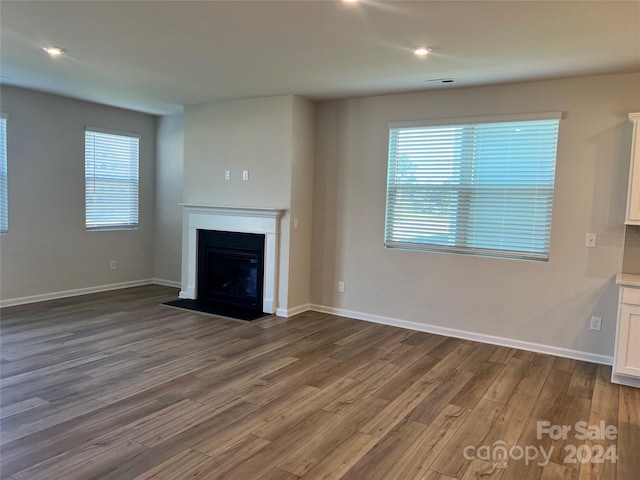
<point>4,210</point>
<point>475,187</point>
<point>111,180</point>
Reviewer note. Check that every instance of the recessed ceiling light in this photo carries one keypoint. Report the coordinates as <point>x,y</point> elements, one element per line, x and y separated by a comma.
<point>54,51</point>
<point>422,51</point>
<point>350,1</point>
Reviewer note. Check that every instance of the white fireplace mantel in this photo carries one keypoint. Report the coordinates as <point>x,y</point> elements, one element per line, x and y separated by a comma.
<point>231,219</point>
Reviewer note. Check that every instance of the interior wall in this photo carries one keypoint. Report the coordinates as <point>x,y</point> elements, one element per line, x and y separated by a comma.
<point>47,248</point>
<point>254,135</point>
<point>301,202</point>
<point>543,302</point>
<point>168,196</point>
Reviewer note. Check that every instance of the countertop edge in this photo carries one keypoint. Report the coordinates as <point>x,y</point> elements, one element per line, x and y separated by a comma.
<point>628,279</point>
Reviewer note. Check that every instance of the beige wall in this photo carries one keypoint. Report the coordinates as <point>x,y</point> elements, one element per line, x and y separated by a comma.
<point>301,202</point>
<point>168,195</point>
<point>47,248</point>
<point>548,303</point>
<point>255,135</point>
<point>252,135</point>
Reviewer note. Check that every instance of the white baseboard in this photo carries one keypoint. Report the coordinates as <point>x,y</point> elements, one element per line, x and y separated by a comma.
<point>166,283</point>
<point>290,312</point>
<point>10,302</point>
<point>624,380</point>
<point>466,335</point>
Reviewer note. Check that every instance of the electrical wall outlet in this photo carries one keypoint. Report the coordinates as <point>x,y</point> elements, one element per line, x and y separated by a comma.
<point>341,287</point>
<point>227,174</point>
<point>245,175</point>
<point>596,323</point>
<point>112,264</point>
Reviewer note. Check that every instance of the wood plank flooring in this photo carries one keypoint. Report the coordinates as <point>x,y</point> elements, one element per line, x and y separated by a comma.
<point>117,386</point>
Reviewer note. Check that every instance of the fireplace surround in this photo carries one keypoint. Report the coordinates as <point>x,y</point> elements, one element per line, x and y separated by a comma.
<point>263,221</point>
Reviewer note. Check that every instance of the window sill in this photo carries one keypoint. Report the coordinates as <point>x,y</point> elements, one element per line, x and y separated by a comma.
<point>112,228</point>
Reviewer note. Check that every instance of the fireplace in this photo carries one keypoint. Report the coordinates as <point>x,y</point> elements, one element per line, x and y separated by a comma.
<point>231,268</point>
<point>261,221</point>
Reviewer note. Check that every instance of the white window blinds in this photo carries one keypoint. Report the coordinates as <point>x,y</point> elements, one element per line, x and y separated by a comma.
<point>4,210</point>
<point>111,176</point>
<point>481,188</point>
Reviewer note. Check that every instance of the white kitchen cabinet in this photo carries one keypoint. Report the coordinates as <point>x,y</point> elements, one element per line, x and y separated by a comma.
<point>633,198</point>
<point>626,362</point>
<point>628,355</point>
<point>626,359</point>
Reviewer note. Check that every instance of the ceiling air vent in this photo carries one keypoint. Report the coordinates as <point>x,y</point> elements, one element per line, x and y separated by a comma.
<point>444,81</point>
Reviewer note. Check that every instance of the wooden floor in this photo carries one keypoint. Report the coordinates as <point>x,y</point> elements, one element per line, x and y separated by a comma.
<point>118,386</point>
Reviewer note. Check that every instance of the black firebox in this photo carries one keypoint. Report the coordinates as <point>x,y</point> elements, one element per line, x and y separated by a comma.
<point>231,268</point>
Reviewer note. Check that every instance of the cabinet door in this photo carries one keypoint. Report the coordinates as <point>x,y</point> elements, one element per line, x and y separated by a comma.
<point>628,355</point>
<point>633,199</point>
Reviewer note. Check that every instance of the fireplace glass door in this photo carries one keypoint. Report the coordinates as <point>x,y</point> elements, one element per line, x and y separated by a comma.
<point>231,268</point>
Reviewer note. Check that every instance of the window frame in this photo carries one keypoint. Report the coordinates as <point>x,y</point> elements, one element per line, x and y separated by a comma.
<point>4,175</point>
<point>460,189</point>
<point>114,225</point>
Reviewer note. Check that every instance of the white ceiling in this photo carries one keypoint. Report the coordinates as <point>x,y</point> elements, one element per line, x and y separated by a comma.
<point>156,56</point>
